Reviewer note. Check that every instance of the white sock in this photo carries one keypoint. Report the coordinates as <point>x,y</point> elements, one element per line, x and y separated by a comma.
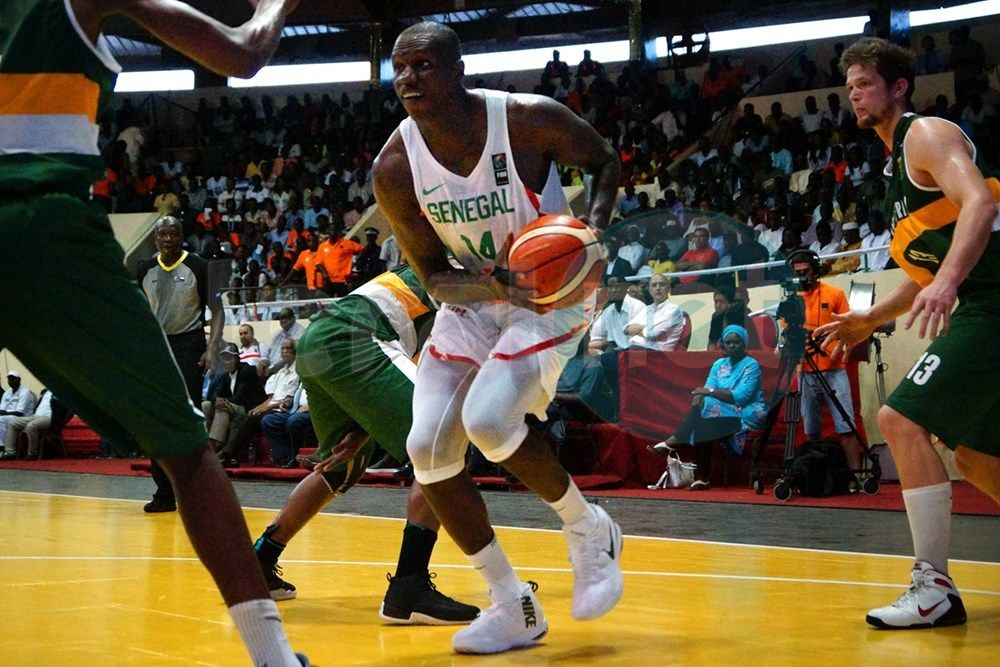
<point>929,510</point>
<point>260,626</point>
<point>575,511</point>
<point>492,563</point>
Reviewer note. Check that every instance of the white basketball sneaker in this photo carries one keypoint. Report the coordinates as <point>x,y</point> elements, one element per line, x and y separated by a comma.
<point>597,574</point>
<point>931,601</point>
<point>502,626</point>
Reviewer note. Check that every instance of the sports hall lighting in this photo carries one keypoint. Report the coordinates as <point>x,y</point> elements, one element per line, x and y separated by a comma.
<point>143,82</point>
<point>973,10</point>
<point>525,59</point>
<point>610,52</point>
<point>294,75</point>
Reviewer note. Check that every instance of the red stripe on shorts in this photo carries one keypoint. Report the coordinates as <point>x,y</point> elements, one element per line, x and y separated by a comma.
<point>533,198</point>
<point>544,345</point>
<point>438,354</point>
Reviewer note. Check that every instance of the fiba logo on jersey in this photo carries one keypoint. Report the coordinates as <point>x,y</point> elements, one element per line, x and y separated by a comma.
<point>500,172</point>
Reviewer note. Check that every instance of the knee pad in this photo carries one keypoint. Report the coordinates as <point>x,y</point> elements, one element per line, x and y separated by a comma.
<point>347,474</point>
<point>494,433</point>
<point>435,458</point>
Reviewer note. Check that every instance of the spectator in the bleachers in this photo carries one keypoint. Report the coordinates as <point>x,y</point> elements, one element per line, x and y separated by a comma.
<point>231,396</point>
<point>851,241</point>
<point>608,330</point>
<point>633,251</point>
<point>311,214</point>
<point>588,66</point>
<point>368,263</point>
<point>670,121</point>
<point>838,115</point>
<point>617,267</point>
<point>673,237</point>
<point>257,191</point>
<point>290,330</point>
<point>704,153</point>
<point>781,157</point>
<point>659,325</point>
<point>286,429</point>
<point>976,117</point>
<point>361,187</point>
<point>878,237</point>
<point>929,60</point>
<point>32,425</point>
<point>555,69</point>
<point>251,350</point>
<point>811,117</point>
<point>643,206</point>
<point>165,202</point>
<point>838,163</point>
<point>628,202</point>
<point>731,307</point>
<point>231,221</point>
<point>778,120</point>
<point>230,192</point>
<point>759,75</point>
<point>215,184</point>
<point>824,244</point>
<point>353,214</point>
<point>305,267</point>
<point>337,256</point>
<point>281,386</point>
<point>731,402</point>
<point>699,257</point>
<point>804,75</point>
<point>17,401</point>
<point>390,253</point>
<point>746,122</point>
<point>770,228</point>
<point>210,218</point>
<point>747,250</point>
<point>791,241</point>
<point>659,260</point>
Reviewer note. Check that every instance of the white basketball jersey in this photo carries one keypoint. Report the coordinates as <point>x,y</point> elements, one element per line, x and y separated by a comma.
<point>476,215</point>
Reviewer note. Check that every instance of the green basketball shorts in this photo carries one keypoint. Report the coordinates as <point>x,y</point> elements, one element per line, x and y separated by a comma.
<point>953,389</point>
<point>78,321</point>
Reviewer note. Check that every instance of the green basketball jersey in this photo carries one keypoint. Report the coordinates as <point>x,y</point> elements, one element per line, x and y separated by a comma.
<point>54,84</point>
<point>923,220</point>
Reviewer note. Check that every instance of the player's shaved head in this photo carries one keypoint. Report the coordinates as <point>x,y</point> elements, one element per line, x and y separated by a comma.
<point>434,36</point>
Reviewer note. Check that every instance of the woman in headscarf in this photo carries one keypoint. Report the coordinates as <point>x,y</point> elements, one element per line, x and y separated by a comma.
<point>731,402</point>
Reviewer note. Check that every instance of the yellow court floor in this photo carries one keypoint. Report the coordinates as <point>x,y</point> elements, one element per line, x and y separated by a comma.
<point>91,581</point>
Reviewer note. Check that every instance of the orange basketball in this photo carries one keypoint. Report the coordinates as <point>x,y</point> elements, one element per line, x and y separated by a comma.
<point>559,258</point>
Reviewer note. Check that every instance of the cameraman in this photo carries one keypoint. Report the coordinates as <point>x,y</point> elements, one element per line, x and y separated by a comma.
<point>822,301</point>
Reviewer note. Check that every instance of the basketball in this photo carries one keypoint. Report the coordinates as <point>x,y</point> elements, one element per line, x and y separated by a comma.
<point>559,258</point>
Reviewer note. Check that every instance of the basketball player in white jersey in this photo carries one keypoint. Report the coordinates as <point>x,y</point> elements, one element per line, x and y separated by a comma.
<point>462,175</point>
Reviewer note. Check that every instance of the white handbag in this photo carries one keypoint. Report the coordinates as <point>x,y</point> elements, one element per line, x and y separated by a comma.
<point>678,475</point>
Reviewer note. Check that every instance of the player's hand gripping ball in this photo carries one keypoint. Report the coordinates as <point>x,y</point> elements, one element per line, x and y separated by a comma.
<point>559,259</point>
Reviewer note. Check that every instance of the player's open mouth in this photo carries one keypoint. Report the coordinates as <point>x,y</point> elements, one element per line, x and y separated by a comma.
<point>412,96</point>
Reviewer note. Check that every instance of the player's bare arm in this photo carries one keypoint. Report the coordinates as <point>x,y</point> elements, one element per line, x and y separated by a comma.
<point>544,130</point>
<point>393,186</point>
<point>232,51</point>
<point>854,327</point>
<point>938,155</point>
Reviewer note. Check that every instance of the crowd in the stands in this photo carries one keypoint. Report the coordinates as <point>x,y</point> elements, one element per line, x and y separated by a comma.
<point>274,184</point>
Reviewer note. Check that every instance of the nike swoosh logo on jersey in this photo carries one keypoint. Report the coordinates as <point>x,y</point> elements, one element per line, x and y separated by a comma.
<point>427,192</point>
<point>925,612</point>
<point>611,551</point>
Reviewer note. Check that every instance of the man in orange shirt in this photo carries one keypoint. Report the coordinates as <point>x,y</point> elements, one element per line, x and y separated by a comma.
<point>308,261</point>
<point>822,301</point>
<point>336,255</point>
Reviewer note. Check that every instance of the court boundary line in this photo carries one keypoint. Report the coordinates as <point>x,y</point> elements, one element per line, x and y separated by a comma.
<point>454,566</point>
<point>681,540</point>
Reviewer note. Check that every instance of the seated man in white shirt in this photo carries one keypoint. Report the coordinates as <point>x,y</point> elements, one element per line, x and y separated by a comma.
<point>18,401</point>
<point>252,351</point>
<point>632,250</point>
<point>608,330</point>
<point>878,237</point>
<point>290,330</point>
<point>659,325</point>
<point>31,425</point>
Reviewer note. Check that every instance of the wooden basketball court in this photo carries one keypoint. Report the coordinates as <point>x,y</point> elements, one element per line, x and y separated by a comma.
<point>91,581</point>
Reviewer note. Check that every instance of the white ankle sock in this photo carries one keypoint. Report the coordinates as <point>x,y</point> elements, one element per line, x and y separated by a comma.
<point>260,626</point>
<point>929,510</point>
<point>492,563</point>
<point>575,511</point>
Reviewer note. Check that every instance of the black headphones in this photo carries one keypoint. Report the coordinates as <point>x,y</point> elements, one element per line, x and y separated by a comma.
<point>803,255</point>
